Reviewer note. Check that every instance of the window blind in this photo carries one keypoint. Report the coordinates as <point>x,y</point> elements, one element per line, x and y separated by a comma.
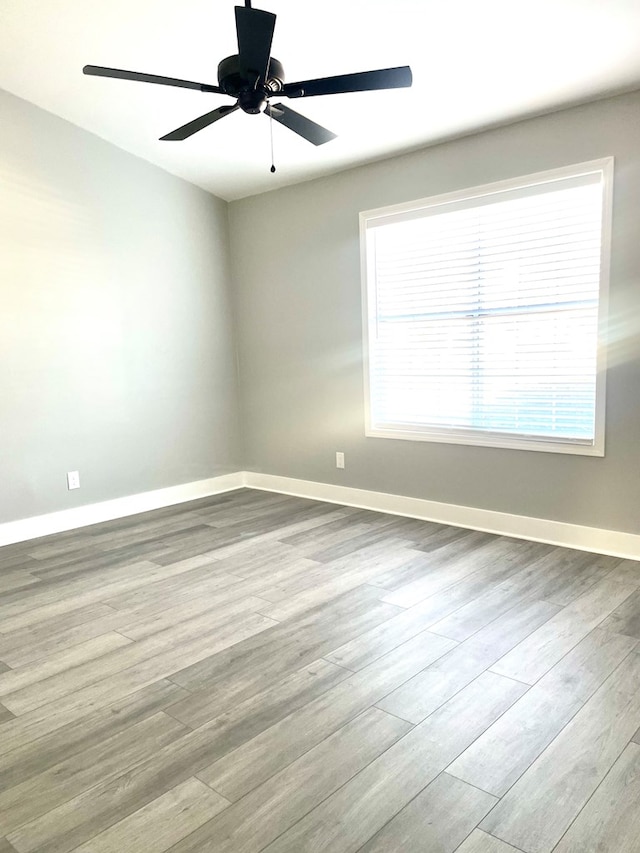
<point>484,313</point>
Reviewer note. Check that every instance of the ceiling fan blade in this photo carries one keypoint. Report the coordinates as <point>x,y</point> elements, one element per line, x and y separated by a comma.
<point>365,81</point>
<point>255,34</point>
<point>99,71</point>
<point>198,124</point>
<point>299,124</point>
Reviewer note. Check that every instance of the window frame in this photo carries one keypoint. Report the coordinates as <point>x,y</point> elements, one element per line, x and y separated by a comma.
<point>455,435</point>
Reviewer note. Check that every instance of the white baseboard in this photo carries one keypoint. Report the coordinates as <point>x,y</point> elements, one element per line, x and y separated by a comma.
<point>598,540</point>
<point>82,516</point>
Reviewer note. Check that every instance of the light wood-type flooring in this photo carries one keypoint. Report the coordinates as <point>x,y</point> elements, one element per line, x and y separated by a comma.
<point>255,672</point>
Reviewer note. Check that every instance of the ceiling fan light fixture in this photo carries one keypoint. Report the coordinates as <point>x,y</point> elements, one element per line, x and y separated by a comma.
<point>252,76</point>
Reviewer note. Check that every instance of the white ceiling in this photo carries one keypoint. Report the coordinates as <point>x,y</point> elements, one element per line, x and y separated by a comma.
<point>475,63</point>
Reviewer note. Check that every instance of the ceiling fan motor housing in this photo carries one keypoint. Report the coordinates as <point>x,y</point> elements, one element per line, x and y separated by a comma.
<point>252,98</point>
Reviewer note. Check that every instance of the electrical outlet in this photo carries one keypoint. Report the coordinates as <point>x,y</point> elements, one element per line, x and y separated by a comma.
<point>73,479</point>
<point>339,460</point>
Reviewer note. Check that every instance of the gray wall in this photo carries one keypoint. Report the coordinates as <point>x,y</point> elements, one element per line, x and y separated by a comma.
<point>299,325</point>
<point>116,350</point>
<point>117,336</point>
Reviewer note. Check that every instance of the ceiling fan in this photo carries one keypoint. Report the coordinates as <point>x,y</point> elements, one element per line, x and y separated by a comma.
<point>252,76</point>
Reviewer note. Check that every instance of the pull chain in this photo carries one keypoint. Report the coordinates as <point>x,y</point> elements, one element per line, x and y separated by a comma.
<point>273,168</point>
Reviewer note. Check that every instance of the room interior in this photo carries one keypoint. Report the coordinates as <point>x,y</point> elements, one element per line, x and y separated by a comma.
<point>221,641</point>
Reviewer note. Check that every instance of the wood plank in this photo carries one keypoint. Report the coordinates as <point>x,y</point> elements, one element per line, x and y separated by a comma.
<point>443,547</point>
<point>258,759</point>
<point>250,824</point>
<point>311,598</point>
<point>373,644</point>
<point>625,619</point>
<point>300,640</point>
<point>425,692</point>
<point>14,557</point>
<point>145,530</point>
<point>162,823</point>
<point>277,701</point>
<point>5,714</point>
<point>549,575</point>
<point>447,572</point>
<point>87,563</point>
<point>87,653</point>
<point>577,579</point>
<point>154,657</point>
<point>106,760</point>
<point>49,630</point>
<point>5,847</point>
<point>477,614</point>
<point>58,543</point>
<point>105,692</point>
<point>284,571</point>
<point>90,812</point>
<point>437,535</point>
<point>76,564</point>
<point>162,589</point>
<point>501,755</point>
<point>16,579</point>
<point>535,655</point>
<point>267,508</point>
<point>482,842</point>
<point>390,555</point>
<point>437,820</point>
<point>288,526</point>
<point>342,579</point>
<point>250,560</point>
<point>50,591</point>
<point>182,543</point>
<point>330,532</point>
<point>22,651</point>
<point>256,519</point>
<point>628,571</point>
<point>208,590</point>
<point>137,627</point>
<point>413,530</point>
<point>35,757</point>
<point>71,595</point>
<point>388,529</point>
<point>190,545</point>
<point>540,807</point>
<point>283,584</point>
<point>610,822</point>
<point>353,814</point>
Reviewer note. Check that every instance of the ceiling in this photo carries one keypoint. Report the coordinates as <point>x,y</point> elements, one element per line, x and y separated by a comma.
<point>475,64</point>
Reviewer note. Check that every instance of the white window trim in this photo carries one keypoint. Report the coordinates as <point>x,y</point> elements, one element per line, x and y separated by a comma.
<point>489,439</point>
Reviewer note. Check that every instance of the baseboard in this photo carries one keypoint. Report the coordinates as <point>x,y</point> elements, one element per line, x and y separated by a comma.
<point>82,516</point>
<point>598,540</point>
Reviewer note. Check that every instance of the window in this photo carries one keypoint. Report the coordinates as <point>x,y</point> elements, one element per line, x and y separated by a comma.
<point>484,313</point>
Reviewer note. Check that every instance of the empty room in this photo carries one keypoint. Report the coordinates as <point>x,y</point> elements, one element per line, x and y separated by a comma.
<point>320,426</point>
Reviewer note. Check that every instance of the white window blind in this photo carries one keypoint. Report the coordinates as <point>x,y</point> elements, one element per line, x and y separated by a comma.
<point>483,315</point>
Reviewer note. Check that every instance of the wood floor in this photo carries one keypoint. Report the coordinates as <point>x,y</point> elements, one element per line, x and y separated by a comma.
<point>257,672</point>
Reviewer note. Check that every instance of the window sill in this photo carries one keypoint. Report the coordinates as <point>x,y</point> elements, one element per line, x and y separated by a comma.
<point>490,440</point>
